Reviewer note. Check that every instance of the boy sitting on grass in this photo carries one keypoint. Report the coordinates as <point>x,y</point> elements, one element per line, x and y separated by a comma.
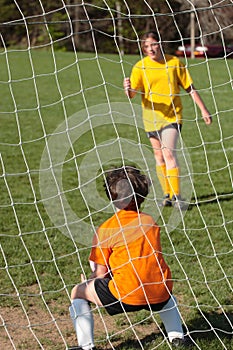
<point>130,273</point>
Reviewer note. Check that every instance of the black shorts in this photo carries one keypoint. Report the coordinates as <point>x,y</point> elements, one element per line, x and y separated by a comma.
<point>156,134</point>
<point>114,306</point>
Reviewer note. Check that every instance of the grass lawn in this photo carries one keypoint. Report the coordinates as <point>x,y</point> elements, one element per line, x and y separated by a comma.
<point>64,120</point>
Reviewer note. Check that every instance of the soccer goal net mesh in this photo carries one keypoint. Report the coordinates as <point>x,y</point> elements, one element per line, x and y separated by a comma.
<point>65,120</point>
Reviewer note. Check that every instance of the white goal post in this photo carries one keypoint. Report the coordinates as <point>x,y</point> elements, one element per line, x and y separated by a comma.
<point>65,120</point>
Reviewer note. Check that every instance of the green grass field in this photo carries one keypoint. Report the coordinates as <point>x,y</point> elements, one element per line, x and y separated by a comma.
<point>39,264</point>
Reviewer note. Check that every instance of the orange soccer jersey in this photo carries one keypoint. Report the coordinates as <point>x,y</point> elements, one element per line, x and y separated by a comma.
<point>129,245</point>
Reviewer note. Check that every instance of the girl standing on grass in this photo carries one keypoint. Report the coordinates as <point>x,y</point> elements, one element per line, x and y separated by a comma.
<point>158,77</point>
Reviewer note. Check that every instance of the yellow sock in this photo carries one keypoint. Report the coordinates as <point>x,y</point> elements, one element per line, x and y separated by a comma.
<point>162,176</point>
<point>174,181</point>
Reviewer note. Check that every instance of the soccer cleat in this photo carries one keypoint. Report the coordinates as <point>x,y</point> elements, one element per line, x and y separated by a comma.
<point>182,343</point>
<point>179,203</point>
<point>166,201</point>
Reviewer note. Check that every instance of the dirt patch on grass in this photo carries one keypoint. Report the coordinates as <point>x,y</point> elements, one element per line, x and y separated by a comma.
<point>49,327</point>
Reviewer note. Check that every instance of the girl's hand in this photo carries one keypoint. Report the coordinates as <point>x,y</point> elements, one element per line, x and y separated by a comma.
<point>127,85</point>
<point>207,118</point>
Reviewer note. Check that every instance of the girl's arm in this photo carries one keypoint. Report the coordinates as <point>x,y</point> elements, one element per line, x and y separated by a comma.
<point>199,102</point>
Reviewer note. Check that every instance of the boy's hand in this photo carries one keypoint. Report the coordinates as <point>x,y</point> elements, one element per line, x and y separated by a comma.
<point>83,278</point>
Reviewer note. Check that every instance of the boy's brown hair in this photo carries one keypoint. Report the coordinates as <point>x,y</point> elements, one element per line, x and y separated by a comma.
<point>126,187</point>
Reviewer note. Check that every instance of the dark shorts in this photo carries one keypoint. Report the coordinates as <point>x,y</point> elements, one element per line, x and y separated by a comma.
<point>156,134</point>
<point>114,306</point>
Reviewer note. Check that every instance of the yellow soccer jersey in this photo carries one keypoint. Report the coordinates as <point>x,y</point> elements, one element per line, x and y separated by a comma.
<point>159,83</point>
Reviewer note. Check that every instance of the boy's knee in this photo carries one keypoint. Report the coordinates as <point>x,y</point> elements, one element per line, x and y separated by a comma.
<point>74,293</point>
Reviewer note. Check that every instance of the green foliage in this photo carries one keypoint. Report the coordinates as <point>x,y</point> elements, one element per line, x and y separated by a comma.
<point>98,25</point>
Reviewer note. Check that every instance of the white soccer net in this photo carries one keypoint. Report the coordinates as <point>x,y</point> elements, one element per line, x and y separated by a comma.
<point>64,121</point>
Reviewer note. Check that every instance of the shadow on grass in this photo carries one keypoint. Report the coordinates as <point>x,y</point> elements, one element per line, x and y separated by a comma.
<point>213,198</point>
<point>210,325</point>
<point>207,330</point>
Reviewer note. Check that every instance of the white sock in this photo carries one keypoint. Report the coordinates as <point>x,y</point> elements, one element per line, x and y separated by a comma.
<point>171,319</point>
<point>82,318</point>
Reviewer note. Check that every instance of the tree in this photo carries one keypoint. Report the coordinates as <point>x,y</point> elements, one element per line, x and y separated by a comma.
<point>95,24</point>
<point>213,20</point>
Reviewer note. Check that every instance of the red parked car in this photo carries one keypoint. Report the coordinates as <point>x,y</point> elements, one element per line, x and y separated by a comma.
<point>205,51</point>
<point>229,51</point>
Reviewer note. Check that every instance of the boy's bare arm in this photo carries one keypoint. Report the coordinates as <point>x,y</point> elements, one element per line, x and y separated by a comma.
<point>100,271</point>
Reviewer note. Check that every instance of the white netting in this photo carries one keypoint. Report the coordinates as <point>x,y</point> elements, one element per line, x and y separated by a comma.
<point>64,121</point>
